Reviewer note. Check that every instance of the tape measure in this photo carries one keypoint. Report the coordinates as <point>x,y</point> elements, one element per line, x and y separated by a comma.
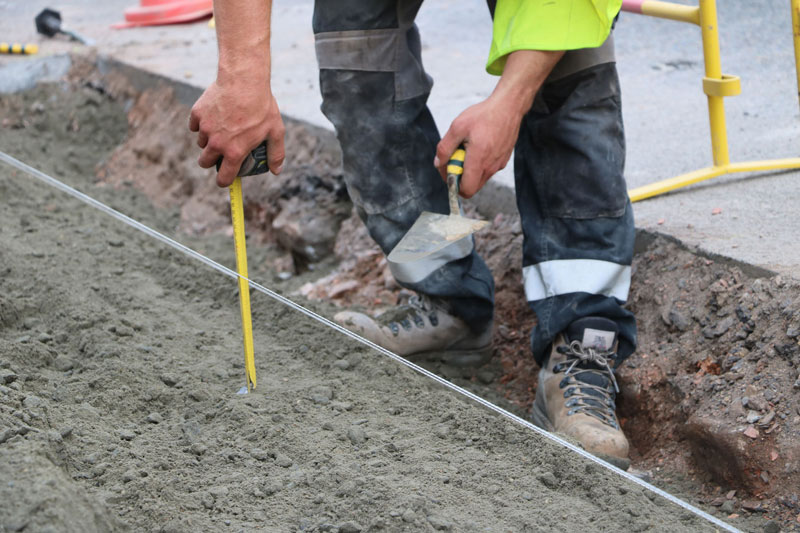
<point>254,163</point>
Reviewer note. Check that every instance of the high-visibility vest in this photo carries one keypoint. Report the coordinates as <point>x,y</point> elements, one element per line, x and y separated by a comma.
<point>548,25</point>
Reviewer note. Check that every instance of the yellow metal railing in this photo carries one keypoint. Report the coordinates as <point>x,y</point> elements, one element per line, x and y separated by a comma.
<point>716,86</point>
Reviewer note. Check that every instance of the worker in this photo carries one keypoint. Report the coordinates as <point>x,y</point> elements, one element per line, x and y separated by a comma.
<point>556,105</point>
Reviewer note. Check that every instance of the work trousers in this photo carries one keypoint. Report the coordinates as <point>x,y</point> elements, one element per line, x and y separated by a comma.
<point>569,157</point>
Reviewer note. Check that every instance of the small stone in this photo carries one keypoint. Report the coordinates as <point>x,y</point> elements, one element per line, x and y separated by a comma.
<point>350,527</point>
<point>758,403</point>
<point>342,406</point>
<point>123,331</point>
<point>44,338</point>
<point>116,243</point>
<point>327,426</point>
<point>751,505</point>
<point>549,480</point>
<point>409,516</point>
<point>7,376</point>
<point>198,449</point>
<point>439,523</point>
<point>767,420</point>
<point>154,418</point>
<point>63,363</point>
<point>322,395</point>
<point>357,435</point>
<point>679,320</point>
<point>128,476</point>
<point>751,432</point>
<point>170,380</point>
<point>723,326</point>
<point>442,431</point>
<point>126,434</point>
<point>793,332</point>
<point>772,527</point>
<point>486,376</point>
<point>764,476</point>
<point>207,500</point>
<point>727,506</point>
<point>753,417</point>
<point>99,470</point>
<point>283,460</point>
<point>6,434</point>
<point>258,454</point>
<point>218,492</point>
<point>342,364</point>
<point>32,402</point>
<point>198,395</point>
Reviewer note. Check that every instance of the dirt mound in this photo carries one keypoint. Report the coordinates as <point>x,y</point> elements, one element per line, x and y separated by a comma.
<point>713,390</point>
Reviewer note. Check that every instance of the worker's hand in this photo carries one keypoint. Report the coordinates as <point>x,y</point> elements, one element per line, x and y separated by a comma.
<point>232,117</point>
<point>488,131</point>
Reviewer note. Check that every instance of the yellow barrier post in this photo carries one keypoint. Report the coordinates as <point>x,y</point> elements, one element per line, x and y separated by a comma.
<point>716,86</point>
<point>796,32</point>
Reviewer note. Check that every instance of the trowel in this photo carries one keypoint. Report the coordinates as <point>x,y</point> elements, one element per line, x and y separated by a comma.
<point>433,231</point>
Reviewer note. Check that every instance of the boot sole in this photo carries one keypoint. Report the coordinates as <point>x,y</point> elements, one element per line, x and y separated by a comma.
<point>539,418</point>
<point>460,358</point>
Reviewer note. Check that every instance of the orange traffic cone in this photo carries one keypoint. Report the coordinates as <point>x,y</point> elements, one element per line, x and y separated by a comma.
<point>157,12</point>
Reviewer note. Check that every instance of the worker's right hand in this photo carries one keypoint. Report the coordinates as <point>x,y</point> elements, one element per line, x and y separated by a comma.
<point>232,117</point>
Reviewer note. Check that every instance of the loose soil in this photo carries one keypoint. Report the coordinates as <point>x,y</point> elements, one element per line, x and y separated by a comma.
<point>119,360</point>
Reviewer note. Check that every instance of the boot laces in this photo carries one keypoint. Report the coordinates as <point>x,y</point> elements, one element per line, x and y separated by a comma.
<point>585,368</point>
<point>411,314</point>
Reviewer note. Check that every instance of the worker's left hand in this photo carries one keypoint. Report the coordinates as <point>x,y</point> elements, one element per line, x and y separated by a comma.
<point>488,131</point>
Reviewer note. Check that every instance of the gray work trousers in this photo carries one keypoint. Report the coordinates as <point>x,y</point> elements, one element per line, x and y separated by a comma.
<point>569,158</point>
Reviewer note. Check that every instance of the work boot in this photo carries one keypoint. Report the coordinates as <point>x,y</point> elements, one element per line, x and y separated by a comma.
<point>423,329</point>
<point>577,388</point>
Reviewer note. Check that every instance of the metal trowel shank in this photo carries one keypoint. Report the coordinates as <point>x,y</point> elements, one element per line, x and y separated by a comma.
<point>432,231</point>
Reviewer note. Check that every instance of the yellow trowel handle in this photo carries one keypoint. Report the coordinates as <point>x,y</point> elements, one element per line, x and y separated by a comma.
<point>455,168</point>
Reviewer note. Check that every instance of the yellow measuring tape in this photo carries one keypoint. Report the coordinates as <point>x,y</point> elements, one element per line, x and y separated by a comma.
<point>237,214</point>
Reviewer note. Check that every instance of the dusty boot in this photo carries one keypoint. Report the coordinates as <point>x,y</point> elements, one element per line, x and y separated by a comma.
<point>423,330</point>
<point>577,388</point>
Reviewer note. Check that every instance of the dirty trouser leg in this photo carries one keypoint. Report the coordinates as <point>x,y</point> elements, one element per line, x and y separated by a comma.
<point>374,91</point>
<point>576,217</point>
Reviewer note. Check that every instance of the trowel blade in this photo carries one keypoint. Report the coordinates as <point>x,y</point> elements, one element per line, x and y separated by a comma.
<point>432,232</point>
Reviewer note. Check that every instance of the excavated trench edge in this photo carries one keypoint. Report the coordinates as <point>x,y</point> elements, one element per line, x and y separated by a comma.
<point>442,381</point>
